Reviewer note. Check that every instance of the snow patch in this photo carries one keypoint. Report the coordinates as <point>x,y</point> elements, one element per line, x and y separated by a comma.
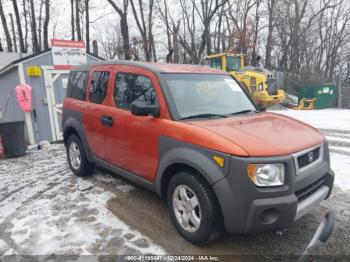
<point>341,166</point>
<point>44,211</point>
<point>322,118</point>
<point>3,247</point>
<point>125,188</point>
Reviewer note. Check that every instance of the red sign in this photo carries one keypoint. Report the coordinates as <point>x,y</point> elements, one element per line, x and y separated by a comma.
<point>68,53</point>
<point>67,43</point>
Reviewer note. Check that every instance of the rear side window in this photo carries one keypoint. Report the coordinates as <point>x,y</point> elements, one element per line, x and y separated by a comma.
<point>131,87</point>
<point>77,85</point>
<point>98,87</point>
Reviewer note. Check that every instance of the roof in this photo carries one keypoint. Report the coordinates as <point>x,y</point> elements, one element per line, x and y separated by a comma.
<point>7,58</point>
<point>157,67</point>
<point>224,54</point>
<point>14,63</point>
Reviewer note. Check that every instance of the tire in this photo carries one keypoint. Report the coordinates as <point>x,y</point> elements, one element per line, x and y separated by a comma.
<point>208,210</point>
<point>80,168</point>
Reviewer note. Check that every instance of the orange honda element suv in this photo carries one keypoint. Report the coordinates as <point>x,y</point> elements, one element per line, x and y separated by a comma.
<point>193,135</point>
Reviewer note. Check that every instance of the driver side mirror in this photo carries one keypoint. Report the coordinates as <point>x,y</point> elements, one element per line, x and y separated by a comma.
<point>144,109</point>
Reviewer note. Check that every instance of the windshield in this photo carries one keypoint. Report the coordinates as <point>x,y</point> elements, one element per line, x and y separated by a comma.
<point>205,95</point>
<point>233,63</point>
<point>271,85</point>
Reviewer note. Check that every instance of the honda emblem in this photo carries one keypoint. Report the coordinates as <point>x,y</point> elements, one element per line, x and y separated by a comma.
<point>310,156</point>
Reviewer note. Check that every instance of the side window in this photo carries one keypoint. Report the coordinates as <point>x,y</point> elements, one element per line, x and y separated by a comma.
<point>130,87</point>
<point>215,62</point>
<point>98,87</point>
<point>77,85</point>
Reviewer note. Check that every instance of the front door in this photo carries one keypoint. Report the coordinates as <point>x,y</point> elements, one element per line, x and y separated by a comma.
<point>55,85</point>
<point>132,143</point>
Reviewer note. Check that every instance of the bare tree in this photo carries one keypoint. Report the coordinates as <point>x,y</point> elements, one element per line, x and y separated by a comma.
<point>256,29</point>
<point>19,27</point>
<point>25,14</point>
<point>206,12</point>
<point>77,19</point>
<point>111,42</point>
<point>13,32</point>
<point>294,24</point>
<point>271,7</point>
<point>6,30</point>
<point>145,31</point>
<point>40,22</point>
<point>239,14</point>
<point>46,24</point>
<point>123,14</point>
<point>188,38</point>
<point>87,25</point>
<point>36,48</point>
<point>72,21</point>
<point>172,30</point>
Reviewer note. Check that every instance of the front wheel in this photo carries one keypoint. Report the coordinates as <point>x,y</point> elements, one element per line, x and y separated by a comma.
<point>193,208</point>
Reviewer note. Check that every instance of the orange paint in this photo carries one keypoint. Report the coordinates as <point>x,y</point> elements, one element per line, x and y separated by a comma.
<point>132,142</point>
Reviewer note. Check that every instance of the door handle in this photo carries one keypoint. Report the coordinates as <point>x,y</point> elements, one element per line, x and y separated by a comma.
<point>107,121</point>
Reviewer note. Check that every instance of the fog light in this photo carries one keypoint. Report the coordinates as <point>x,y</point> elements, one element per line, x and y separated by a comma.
<point>269,216</point>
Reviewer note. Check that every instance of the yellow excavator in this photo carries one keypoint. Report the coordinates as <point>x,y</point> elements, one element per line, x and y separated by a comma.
<point>260,84</point>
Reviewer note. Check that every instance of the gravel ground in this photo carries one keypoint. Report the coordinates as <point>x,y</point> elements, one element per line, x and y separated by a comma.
<point>45,210</point>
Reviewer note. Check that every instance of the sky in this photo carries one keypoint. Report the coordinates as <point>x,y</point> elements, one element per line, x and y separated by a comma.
<point>102,21</point>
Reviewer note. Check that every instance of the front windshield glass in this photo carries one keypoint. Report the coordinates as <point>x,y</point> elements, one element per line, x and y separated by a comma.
<point>233,63</point>
<point>200,94</point>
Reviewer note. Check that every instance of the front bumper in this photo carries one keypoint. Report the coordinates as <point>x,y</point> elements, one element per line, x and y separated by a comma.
<point>248,209</point>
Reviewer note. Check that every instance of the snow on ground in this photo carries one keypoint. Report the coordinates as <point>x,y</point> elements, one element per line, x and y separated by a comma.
<point>45,209</point>
<point>335,124</point>
<point>322,118</point>
<point>341,166</point>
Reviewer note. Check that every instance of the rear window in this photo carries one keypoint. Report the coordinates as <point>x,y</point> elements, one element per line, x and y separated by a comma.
<point>77,85</point>
<point>99,87</point>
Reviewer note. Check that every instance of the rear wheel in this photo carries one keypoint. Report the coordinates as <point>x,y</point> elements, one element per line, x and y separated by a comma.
<point>76,156</point>
<point>193,208</point>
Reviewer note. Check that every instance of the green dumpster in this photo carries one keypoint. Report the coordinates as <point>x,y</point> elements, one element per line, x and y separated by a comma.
<point>325,94</point>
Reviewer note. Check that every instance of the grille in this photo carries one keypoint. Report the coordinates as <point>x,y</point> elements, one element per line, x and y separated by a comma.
<point>308,157</point>
<point>310,189</point>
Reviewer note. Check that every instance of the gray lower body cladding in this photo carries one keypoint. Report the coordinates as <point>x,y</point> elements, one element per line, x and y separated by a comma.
<point>247,208</point>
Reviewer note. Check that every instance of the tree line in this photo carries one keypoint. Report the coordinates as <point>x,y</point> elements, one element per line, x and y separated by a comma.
<point>307,39</point>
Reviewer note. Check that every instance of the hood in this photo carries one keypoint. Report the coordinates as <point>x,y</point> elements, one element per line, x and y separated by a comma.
<point>265,134</point>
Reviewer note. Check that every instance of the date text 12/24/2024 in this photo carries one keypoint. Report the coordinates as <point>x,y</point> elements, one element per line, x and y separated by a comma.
<point>171,258</point>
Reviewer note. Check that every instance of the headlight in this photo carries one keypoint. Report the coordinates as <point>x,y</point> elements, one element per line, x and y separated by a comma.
<point>266,175</point>
<point>260,87</point>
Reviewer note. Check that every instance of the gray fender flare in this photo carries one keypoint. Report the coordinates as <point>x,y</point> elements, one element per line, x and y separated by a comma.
<point>172,151</point>
<point>74,123</point>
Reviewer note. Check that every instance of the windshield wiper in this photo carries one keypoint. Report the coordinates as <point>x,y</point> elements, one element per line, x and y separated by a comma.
<point>202,116</point>
<point>244,112</point>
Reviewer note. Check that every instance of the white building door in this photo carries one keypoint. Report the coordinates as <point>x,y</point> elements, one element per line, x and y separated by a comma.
<point>56,82</point>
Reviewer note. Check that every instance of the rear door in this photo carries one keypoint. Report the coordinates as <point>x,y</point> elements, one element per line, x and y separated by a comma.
<point>95,121</point>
